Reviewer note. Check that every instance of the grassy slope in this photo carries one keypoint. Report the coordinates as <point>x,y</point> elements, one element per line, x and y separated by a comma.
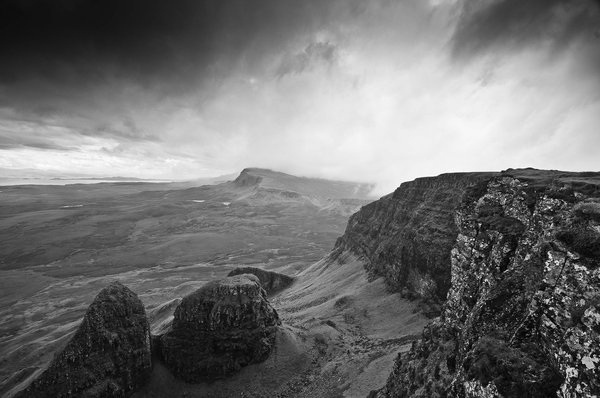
<point>153,238</point>
<point>340,336</point>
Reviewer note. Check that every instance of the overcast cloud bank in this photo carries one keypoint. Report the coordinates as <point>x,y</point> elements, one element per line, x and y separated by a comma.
<point>380,91</point>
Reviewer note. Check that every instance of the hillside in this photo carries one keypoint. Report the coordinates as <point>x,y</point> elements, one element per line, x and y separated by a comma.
<point>61,244</point>
<point>339,337</point>
<point>510,261</point>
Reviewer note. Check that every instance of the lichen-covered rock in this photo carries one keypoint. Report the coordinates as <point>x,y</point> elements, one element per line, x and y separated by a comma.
<point>406,237</point>
<point>522,318</point>
<point>272,282</point>
<point>109,355</point>
<point>219,328</point>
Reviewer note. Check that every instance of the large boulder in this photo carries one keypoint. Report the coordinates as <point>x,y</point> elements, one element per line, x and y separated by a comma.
<point>109,355</point>
<point>220,328</point>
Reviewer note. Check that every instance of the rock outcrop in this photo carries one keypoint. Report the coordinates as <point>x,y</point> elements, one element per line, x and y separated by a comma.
<point>247,178</point>
<point>220,328</point>
<point>406,237</point>
<point>109,355</point>
<point>272,282</point>
<point>522,317</point>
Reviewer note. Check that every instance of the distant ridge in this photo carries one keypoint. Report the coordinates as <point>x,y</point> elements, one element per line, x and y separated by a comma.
<point>317,187</point>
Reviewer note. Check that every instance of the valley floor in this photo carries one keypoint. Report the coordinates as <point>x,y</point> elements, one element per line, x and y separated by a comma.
<point>62,244</point>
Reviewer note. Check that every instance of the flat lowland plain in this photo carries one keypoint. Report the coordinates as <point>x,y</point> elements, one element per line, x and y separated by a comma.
<point>63,244</point>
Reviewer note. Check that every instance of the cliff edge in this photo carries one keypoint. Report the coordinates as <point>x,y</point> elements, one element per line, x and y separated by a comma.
<point>522,316</point>
<point>406,237</point>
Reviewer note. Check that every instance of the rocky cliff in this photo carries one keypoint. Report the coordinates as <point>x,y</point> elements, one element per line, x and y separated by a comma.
<point>407,236</point>
<point>522,316</point>
<point>220,328</point>
<point>109,355</point>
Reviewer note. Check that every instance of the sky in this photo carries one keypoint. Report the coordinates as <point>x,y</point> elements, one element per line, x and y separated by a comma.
<point>380,91</point>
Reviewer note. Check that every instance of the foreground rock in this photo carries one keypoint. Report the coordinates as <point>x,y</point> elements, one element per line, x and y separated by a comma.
<point>109,355</point>
<point>272,282</point>
<point>522,318</point>
<point>220,328</point>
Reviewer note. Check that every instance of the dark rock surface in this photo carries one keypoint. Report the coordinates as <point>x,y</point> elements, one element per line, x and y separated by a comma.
<point>219,328</point>
<point>407,236</point>
<point>272,282</point>
<point>522,318</point>
<point>109,355</point>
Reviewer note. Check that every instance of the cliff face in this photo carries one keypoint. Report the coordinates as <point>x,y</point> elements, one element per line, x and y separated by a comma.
<point>407,236</point>
<point>219,328</point>
<point>247,178</point>
<point>109,355</point>
<point>522,317</point>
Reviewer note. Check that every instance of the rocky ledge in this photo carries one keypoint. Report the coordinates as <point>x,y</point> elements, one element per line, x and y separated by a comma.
<point>220,328</point>
<point>109,355</point>
<point>272,282</point>
<point>522,317</point>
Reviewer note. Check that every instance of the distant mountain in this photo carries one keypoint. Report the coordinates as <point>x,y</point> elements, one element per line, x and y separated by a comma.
<point>317,187</point>
<point>263,187</point>
<point>37,177</point>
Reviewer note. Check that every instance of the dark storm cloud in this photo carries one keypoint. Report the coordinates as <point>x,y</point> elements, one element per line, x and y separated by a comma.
<point>487,26</point>
<point>75,41</point>
<point>344,89</point>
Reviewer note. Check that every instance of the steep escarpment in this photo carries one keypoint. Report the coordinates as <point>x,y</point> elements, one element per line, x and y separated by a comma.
<point>407,236</point>
<point>109,355</point>
<point>218,329</point>
<point>522,317</point>
<point>247,178</point>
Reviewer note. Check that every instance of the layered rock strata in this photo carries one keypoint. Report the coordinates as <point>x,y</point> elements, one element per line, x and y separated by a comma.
<point>272,282</point>
<point>109,355</point>
<point>522,318</point>
<point>406,237</point>
<point>220,328</point>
